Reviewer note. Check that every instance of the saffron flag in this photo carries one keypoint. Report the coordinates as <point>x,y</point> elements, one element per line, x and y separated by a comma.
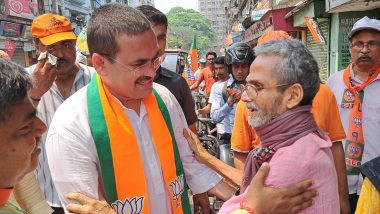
<point>315,30</point>
<point>194,54</point>
<point>192,63</point>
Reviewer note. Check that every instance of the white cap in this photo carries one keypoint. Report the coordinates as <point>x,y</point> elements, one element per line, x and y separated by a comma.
<point>364,24</point>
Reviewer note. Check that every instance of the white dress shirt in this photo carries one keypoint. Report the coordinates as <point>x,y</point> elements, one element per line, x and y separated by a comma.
<point>74,163</point>
<point>46,108</point>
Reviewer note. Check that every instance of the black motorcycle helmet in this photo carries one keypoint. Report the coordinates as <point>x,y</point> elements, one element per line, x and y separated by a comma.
<point>239,52</point>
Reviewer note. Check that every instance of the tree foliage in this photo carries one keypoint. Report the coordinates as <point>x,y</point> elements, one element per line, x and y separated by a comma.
<point>184,24</point>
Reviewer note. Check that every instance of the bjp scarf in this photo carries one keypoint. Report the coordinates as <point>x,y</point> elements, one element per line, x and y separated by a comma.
<point>4,195</point>
<point>353,98</point>
<point>282,131</point>
<point>120,161</point>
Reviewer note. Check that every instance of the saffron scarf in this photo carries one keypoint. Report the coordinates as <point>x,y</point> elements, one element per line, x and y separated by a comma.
<point>120,161</point>
<point>4,195</point>
<point>353,98</point>
<point>282,131</point>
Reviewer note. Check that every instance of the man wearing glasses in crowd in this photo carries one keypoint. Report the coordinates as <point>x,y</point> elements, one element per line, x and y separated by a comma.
<point>356,89</point>
<point>53,84</point>
<point>124,122</point>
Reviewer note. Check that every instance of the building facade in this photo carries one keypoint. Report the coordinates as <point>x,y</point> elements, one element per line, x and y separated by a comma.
<point>16,17</point>
<point>215,10</point>
<point>322,25</point>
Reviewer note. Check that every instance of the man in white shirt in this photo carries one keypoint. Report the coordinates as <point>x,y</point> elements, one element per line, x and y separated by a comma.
<point>53,84</point>
<point>126,56</point>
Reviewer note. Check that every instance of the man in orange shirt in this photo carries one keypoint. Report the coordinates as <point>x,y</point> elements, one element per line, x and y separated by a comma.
<point>207,74</point>
<point>326,115</point>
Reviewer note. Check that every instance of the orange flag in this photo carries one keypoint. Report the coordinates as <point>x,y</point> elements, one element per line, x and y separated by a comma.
<point>194,54</point>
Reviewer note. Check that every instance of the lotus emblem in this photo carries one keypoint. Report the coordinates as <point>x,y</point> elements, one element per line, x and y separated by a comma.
<point>177,186</point>
<point>133,206</point>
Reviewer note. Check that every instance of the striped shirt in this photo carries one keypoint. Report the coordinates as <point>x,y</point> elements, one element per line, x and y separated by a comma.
<point>46,108</point>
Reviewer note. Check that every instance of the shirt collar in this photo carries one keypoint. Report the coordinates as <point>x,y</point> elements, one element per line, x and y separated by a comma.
<point>4,195</point>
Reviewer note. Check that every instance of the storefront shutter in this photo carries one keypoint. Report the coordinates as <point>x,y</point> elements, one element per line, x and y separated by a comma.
<point>320,52</point>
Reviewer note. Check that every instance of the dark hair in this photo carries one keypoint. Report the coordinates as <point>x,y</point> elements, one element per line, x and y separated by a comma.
<point>211,53</point>
<point>155,16</point>
<point>110,21</point>
<point>14,86</point>
<point>219,60</point>
<point>297,65</point>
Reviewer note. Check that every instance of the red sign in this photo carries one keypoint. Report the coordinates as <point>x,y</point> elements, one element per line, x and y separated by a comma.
<point>21,8</point>
<point>9,47</point>
<point>10,29</point>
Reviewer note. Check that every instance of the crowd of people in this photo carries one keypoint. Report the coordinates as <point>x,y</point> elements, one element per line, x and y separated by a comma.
<point>101,127</point>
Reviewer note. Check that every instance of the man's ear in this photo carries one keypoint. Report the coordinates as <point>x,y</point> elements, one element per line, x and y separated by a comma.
<point>294,95</point>
<point>98,62</point>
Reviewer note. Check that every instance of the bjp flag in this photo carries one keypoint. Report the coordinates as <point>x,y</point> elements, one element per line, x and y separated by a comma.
<point>192,61</point>
<point>193,53</point>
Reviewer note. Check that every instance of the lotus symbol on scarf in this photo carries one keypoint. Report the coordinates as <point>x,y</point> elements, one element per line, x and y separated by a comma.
<point>177,186</point>
<point>133,206</point>
<point>357,121</point>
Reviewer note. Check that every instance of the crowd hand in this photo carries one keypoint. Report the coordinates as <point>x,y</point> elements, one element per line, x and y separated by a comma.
<point>87,205</point>
<point>201,203</point>
<point>43,77</point>
<point>234,98</point>
<point>202,111</point>
<point>199,151</point>
<point>283,201</point>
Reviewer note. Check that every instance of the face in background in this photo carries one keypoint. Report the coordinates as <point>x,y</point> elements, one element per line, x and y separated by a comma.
<point>221,72</point>
<point>18,143</point>
<point>240,71</point>
<point>269,102</point>
<point>367,57</point>
<point>66,54</point>
<point>210,60</point>
<point>119,76</point>
<point>202,65</point>
<point>160,32</point>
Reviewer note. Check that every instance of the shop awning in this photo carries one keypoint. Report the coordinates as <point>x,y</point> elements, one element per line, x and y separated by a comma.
<point>256,15</point>
<point>300,6</point>
<point>335,6</point>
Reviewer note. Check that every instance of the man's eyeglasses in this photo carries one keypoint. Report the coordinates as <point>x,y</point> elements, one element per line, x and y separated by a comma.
<point>63,45</point>
<point>253,91</point>
<point>155,63</point>
<point>370,45</point>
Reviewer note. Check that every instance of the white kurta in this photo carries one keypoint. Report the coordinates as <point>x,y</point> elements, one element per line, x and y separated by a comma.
<point>74,163</point>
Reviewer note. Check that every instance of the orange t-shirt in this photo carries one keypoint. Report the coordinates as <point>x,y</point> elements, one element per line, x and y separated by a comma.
<point>325,111</point>
<point>208,77</point>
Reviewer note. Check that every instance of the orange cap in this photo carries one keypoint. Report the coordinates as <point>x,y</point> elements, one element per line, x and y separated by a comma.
<point>279,34</point>
<point>51,28</point>
<point>4,55</point>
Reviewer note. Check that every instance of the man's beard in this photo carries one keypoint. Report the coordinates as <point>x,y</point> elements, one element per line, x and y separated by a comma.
<point>260,117</point>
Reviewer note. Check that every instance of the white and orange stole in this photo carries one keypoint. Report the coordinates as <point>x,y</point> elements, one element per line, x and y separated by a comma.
<point>120,161</point>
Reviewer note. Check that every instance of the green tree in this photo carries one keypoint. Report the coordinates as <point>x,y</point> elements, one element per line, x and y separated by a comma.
<point>184,24</point>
